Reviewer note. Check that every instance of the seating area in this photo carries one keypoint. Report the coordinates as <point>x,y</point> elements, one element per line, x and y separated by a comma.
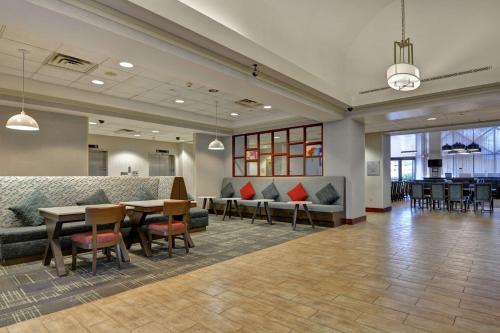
<point>191,166</point>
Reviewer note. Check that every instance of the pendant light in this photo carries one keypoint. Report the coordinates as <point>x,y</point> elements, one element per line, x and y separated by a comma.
<point>403,75</point>
<point>22,121</point>
<point>216,144</point>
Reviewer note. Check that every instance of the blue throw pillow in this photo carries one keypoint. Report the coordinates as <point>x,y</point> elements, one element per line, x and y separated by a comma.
<point>227,191</point>
<point>327,195</point>
<point>27,210</point>
<point>271,192</point>
<point>97,198</point>
<point>143,194</point>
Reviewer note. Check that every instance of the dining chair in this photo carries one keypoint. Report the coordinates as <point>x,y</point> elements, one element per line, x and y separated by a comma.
<point>456,195</point>
<point>417,194</point>
<point>108,218</point>
<point>177,212</point>
<point>438,195</point>
<point>483,195</point>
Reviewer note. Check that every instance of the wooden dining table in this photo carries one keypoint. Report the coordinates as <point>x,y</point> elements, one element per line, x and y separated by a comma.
<point>55,217</point>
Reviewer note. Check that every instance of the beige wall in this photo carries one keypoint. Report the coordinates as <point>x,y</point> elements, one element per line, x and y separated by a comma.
<point>186,165</point>
<point>125,152</point>
<point>58,149</point>
<point>378,188</point>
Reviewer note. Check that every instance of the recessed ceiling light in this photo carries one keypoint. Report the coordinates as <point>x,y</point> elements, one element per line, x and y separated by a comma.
<point>137,135</point>
<point>155,131</point>
<point>268,107</point>
<point>179,101</point>
<point>126,64</point>
<point>432,118</point>
<point>234,114</point>
<point>92,123</point>
<point>97,82</point>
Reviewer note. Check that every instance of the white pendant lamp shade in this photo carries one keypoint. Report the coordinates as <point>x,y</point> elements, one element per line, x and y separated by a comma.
<point>21,121</point>
<point>403,77</point>
<point>216,144</point>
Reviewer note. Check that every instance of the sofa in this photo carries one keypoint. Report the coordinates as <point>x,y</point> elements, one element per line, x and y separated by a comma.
<point>326,215</point>
<point>21,243</point>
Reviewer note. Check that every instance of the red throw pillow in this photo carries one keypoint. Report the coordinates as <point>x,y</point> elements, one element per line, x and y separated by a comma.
<point>247,192</point>
<point>298,193</point>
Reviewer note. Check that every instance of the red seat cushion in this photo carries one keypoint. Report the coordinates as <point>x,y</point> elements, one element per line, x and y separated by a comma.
<point>247,192</point>
<point>103,236</point>
<point>163,227</point>
<point>298,193</point>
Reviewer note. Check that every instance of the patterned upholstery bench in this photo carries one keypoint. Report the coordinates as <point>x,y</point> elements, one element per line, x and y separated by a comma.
<point>18,241</point>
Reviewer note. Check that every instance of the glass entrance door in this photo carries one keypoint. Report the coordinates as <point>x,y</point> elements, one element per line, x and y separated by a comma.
<point>403,169</point>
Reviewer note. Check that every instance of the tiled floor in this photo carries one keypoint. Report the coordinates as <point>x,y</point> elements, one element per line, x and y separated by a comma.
<point>399,272</point>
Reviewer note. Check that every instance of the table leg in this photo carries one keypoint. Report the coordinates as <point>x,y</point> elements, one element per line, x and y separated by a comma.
<point>268,212</point>
<point>53,249</point>
<point>230,209</point>
<point>225,210</point>
<point>212,204</point>
<point>204,203</point>
<point>308,215</point>
<point>255,211</point>
<point>124,252</point>
<point>136,221</point>
<point>237,209</point>
<point>294,221</point>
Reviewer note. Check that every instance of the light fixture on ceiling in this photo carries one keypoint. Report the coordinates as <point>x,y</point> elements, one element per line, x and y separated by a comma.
<point>216,144</point>
<point>179,101</point>
<point>97,82</point>
<point>234,114</point>
<point>403,75</point>
<point>268,107</point>
<point>126,64</point>
<point>431,118</point>
<point>22,121</point>
<point>92,123</point>
<point>461,149</point>
<point>155,131</point>
<point>137,135</point>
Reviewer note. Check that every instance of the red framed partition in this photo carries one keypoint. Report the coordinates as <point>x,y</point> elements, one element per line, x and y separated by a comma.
<point>269,154</point>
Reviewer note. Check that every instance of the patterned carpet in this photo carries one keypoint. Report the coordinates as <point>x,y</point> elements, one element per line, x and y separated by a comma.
<point>31,290</point>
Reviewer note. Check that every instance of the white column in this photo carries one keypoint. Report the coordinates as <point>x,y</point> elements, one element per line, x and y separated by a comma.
<point>344,155</point>
<point>378,188</point>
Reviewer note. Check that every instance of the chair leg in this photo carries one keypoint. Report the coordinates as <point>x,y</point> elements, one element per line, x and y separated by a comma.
<point>186,243</point>
<point>150,241</point>
<point>118,251</point>
<point>73,257</point>
<point>107,252</point>
<point>169,245</point>
<point>94,261</point>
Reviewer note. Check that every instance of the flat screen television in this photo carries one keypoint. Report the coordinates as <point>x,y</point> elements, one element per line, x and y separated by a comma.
<point>437,163</point>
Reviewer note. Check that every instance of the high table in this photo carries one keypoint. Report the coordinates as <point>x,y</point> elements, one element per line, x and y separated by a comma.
<point>211,202</point>
<point>137,212</point>
<point>266,208</point>
<point>297,205</point>
<point>229,205</point>
<point>55,217</point>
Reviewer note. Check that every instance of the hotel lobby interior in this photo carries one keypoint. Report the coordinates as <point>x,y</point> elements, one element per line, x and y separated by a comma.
<point>249,166</point>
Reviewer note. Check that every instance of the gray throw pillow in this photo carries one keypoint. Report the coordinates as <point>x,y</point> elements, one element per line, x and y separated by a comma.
<point>190,197</point>
<point>327,195</point>
<point>271,192</point>
<point>143,194</point>
<point>227,191</point>
<point>27,210</point>
<point>97,198</point>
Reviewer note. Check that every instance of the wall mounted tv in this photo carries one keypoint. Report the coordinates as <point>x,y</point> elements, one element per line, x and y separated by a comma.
<point>437,163</point>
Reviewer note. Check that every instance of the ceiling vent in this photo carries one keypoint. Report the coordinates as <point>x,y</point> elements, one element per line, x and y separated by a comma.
<point>71,63</point>
<point>124,131</point>
<point>248,103</point>
<point>439,77</point>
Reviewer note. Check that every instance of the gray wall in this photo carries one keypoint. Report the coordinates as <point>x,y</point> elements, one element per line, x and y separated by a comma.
<point>378,188</point>
<point>58,149</point>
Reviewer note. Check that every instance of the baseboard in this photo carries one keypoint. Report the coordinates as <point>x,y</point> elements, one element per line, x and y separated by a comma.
<point>355,220</point>
<point>378,210</point>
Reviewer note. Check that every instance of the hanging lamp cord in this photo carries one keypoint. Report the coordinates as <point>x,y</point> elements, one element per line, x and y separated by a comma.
<point>403,23</point>
<point>22,103</point>
<point>216,121</point>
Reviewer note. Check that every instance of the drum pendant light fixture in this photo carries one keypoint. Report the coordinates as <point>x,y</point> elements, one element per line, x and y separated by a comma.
<point>21,121</point>
<point>403,75</point>
<point>216,144</point>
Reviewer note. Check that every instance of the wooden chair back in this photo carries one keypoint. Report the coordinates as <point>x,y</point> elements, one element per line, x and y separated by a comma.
<point>105,215</point>
<point>176,208</point>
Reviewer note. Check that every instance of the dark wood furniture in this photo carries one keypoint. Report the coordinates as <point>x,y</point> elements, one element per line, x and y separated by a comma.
<point>209,200</point>
<point>55,217</point>
<point>228,207</point>
<point>100,239</point>
<point>296,210</point>
<point>172,227</point>
<point>266,209</point>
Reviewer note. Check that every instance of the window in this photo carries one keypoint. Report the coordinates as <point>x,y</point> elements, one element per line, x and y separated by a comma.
<point>296,151</point>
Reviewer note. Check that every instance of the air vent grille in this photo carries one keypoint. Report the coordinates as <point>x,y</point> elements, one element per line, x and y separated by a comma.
<point>71,63</point>
<point>439,77</point>
<point>124,131</point>
<point>248,103</point>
